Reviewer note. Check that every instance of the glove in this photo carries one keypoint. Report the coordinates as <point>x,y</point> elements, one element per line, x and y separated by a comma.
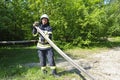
<point>36,23</point>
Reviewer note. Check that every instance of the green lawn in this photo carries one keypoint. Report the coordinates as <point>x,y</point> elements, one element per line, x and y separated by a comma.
<point>13,58</point>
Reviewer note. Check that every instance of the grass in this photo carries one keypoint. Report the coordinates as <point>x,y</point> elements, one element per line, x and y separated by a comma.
<point>13,57</point>
<point>83,53</point>
<point>110,43</point>
<point>94,48</point>
<point>34,73</point>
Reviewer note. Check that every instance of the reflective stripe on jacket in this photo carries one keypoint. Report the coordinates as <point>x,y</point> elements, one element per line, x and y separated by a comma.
<point>42,43</point>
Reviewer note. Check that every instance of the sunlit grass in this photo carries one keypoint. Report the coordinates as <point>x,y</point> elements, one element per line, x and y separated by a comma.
<point>84,53</point>
<point>94,48</point>
<point>114,39</point>
<point>19,72</point>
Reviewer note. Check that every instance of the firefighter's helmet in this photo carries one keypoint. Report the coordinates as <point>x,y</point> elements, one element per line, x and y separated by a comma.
<point>44,16</point>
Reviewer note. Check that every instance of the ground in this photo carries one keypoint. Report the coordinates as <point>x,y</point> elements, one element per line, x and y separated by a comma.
<point>104,65</point>
<point>20,62</point>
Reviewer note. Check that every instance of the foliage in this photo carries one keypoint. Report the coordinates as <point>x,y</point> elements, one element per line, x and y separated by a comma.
<point>77,22</point>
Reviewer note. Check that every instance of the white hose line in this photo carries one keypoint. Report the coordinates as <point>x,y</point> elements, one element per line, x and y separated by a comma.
<point>64,55</point>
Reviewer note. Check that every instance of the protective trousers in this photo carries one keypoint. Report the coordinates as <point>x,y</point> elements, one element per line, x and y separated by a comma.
<point>46,54</point>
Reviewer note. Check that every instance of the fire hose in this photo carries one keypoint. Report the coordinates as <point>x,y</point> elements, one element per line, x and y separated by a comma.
<point>64,55</point>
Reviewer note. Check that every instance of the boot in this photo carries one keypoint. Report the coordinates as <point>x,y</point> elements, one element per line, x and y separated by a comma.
<point>54,73</point>
<point>44,71</point>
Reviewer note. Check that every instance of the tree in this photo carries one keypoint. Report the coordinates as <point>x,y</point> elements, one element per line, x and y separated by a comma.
<point>78,22</point>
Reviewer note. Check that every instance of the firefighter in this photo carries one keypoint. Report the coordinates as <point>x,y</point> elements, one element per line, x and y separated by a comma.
<point>44,49</point>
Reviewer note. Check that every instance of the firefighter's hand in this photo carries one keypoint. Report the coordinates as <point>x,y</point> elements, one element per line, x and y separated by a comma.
<point>36,24</point>
<point>33,25</point>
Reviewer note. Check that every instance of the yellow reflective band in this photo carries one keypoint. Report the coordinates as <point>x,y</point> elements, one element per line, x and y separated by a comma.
<point>43,68</point>
<point>35,34</point>
<point>52,67</point>
<point>49,32</point>
<point>39,45</point>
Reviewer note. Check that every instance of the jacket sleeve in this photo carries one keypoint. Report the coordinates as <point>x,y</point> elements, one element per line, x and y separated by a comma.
<point>50,32</point>
<point>34,32</point>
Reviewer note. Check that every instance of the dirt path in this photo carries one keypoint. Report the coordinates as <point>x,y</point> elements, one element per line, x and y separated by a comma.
<point>103,66</point>
<point>107,65</point>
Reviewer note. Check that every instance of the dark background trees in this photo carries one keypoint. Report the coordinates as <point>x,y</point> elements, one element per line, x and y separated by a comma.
<point>75,21</point>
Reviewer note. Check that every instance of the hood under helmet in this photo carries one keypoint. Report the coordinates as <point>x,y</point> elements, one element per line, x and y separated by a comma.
<point>44,16</point>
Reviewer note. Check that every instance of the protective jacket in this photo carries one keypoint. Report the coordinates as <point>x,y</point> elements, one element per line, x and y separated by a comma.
<point>42,43</point>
